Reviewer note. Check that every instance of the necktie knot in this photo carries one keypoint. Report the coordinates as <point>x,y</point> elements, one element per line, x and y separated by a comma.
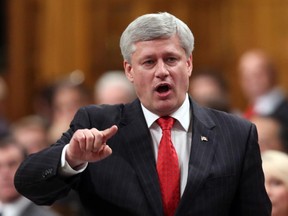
<point>165,122</point>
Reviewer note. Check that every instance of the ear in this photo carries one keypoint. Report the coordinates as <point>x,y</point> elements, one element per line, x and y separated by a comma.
<point>128,71</point>
<point>190,65</point>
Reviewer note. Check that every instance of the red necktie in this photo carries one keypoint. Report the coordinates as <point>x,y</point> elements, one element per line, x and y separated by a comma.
<point>168,168</point>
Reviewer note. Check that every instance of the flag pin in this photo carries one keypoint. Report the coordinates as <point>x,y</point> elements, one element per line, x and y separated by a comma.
<point>204,138</point>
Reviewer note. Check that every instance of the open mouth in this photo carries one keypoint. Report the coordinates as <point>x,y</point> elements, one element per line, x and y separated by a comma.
<point>163,88</point>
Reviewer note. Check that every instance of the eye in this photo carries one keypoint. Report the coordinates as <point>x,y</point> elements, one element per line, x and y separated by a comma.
<point>148,62</point>
<point>275,182</point>
<point>171,60</point>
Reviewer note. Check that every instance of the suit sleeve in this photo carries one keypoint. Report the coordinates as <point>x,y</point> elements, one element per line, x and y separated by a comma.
<point>38,177</point>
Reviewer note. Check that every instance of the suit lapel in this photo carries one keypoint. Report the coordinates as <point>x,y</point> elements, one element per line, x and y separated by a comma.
<point>138,143</point>
<point>201,155</point>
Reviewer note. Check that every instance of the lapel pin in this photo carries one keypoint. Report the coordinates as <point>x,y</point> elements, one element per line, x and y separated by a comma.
<point>204,138</point>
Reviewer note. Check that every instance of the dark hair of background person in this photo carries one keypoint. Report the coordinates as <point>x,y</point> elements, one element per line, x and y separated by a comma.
<point>284,135</point>
<point>8,140</point>
<point>210,90</point>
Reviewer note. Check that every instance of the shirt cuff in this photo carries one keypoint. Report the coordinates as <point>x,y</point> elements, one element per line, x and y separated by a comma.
<point>65,169</point>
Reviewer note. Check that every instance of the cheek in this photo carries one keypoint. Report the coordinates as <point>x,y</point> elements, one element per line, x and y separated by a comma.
<point>183,80</point>
<point>280,195</point>
<point>143,79</point>
<point>141,85</point>
<point>283,194</point>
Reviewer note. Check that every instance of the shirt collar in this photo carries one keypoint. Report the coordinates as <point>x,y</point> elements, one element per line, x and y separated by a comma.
<point>267,103</point>
<point>182,114</point>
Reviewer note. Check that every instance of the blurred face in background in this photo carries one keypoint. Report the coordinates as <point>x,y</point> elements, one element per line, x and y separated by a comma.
<point>268,133</point>
<point>33,138</point>
<point>203,89</point>
<point>66,102</point>
<point>114,94</point>
<point>278,194</point>
<point>10,158</point>
<point>208,90</point>
<point>275,170</point>
<point>256,74</point>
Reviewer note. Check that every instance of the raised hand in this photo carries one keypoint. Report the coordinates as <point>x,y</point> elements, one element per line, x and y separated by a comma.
<point>89,145</point>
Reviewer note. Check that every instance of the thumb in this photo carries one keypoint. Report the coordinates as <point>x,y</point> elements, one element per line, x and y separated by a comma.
<point>109,132</point>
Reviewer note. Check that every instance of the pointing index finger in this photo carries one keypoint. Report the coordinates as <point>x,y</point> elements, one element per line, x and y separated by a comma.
<point>109,132</point>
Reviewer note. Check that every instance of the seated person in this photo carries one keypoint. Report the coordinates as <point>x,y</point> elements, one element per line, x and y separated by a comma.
<point>275,167</point>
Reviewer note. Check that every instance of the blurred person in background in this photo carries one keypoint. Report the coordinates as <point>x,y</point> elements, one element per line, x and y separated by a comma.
<point>31,132</point>
<point>67,98</point>
<point>275,167</point>
<point>272,133</point>
<point>210,89</point>
<point>258,80</point>
<point>42,103</point>
<point>113,87</point>
<point>12,203</point>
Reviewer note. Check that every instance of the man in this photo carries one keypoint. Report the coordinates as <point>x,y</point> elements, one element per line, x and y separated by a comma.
<point>31,132</point>
<point>113,87</point>
<point>209,89</point>
<point>276,180</point>
<point>258,80</point>
<point>110,153</point>
<point>66,99</point>
<point>272,134</point>
<point>13,203</point>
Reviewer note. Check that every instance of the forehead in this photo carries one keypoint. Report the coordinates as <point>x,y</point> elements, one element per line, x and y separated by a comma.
<point>10,153</point>
<point>161,45</point>
<point>253,62</point>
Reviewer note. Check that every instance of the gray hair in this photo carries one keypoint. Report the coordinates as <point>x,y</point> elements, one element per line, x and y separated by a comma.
<point>275,163</point>
<point>154,26</point>
<point>114,78</point>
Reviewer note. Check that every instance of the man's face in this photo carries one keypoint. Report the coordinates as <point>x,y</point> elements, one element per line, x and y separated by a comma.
<point>10,159</point>
<point>255,79</point>
<point>160,72</point>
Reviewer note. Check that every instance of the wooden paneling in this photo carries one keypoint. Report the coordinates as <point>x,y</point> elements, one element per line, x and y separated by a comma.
<point>19,60</point>
<point>48,39</point>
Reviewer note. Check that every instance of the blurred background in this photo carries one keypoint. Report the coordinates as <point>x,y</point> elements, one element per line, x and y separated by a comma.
<point>43,41</point>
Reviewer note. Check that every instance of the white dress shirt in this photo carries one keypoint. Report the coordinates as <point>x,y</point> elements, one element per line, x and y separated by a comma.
<point>267,104</point>
<point>15,208</point>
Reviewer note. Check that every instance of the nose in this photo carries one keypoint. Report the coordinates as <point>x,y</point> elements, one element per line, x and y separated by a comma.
<point>161,69</point>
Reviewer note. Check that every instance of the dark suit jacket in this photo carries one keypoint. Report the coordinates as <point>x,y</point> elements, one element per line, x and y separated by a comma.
<point>225,173</point>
